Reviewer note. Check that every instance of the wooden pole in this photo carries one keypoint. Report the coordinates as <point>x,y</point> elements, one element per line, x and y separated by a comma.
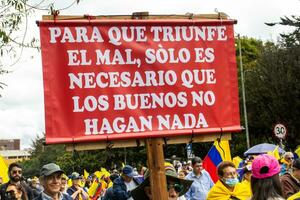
<point>156,166</point>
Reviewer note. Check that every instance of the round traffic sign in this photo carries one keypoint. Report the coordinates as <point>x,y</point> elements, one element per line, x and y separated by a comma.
<point>280,131</point>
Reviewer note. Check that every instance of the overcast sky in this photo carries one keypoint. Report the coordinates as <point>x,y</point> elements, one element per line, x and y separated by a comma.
<point>22,106</point>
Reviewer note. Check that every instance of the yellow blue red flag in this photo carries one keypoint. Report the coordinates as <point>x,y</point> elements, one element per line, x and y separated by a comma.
<point>220,151</point>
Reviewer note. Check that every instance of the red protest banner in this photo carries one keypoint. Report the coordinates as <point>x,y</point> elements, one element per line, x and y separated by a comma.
<point>121,79</point>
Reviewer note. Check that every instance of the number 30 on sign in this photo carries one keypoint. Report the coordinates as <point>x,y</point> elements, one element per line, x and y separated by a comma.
<point>280,131</point>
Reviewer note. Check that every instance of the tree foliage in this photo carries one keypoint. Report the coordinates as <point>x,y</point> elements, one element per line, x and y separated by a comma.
<point>272,88</point>
<point>14,16</point>
<point>291,39</point>
<point>78,161</point>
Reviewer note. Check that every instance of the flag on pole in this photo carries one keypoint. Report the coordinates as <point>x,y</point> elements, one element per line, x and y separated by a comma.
<point>95,190</point>
<point>3,170</point>
<point>237,161</point>
<point>274,153</point>
<point>85,174</point>
<point>219,152</point>
<point>297,151</point>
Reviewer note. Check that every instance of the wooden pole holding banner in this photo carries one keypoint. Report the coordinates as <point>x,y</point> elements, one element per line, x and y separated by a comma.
<point>155,155</point>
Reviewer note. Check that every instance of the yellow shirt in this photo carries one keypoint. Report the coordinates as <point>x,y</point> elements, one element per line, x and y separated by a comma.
<point>247,184</point>
<point>220,192</point>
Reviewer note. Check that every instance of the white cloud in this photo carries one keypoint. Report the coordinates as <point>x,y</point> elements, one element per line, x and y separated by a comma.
<point>22,108</point>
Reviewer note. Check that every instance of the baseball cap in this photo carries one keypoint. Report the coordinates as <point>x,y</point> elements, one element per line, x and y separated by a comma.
<point>296,163</point>
<point>128,171</point>
<point>75,176</point>
<point>49,169</point>
<point>264,166</point>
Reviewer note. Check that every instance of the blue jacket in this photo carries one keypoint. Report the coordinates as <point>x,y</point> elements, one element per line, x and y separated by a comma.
<point>120,190</point>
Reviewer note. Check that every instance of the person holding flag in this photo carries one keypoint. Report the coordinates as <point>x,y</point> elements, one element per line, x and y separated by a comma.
<point>76,191</point>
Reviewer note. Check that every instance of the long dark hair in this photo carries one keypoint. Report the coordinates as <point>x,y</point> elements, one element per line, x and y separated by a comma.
<point>263,189</point>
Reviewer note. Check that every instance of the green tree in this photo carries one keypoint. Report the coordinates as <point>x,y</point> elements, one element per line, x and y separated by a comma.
<point>251,52</point>
<point>14,16</point>
<point>272,88</point>
<point>78,161</point>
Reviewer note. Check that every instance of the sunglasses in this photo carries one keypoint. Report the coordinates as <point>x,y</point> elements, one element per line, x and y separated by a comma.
<point>290,158</point>
<point>10,194</point>
<point>17,171</point>
<point>177,187</point>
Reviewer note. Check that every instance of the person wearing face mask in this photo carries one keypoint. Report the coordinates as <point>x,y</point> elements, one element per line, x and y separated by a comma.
<point>228,186</point>
<point>15,178</point>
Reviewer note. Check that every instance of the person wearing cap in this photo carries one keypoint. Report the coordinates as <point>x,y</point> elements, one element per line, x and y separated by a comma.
<point>290,181</point>
<point>265,182</point>
<point>176,187</point>
<point>50,179</point>
<point>109,195</point>
<point>76,191</point>
<point>228,186</point>
<point>15,172</point>
<point>202,181</point>
<point>124,184</point>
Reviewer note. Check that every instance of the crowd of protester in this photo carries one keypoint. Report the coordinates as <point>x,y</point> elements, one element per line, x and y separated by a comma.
<point>261,177</point>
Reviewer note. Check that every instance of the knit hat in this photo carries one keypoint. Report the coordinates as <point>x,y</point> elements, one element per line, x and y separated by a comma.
<point>264,166</point>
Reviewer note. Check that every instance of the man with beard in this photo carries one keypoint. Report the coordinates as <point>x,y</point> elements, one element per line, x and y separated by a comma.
<point>15,178</point>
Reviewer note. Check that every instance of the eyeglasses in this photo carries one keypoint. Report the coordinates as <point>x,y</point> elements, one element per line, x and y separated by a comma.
<point>290,158</point>
<point>17,171</point>
<point>177,187</point>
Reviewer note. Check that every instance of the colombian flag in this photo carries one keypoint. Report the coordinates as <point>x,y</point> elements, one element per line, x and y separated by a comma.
<point>219,152</point>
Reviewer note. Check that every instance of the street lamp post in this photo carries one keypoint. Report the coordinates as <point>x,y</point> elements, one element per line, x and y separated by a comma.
<point>243,93</point>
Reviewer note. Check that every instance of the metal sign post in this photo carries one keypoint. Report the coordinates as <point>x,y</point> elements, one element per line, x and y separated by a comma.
<point>280,131</point>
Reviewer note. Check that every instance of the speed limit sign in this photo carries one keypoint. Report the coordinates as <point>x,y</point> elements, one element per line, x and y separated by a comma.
<point>280,131</point>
